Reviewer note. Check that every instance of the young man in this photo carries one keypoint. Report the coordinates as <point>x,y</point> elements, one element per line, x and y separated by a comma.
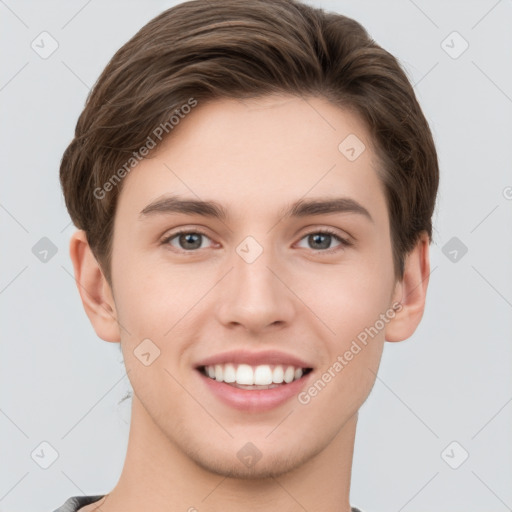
<point>253,184</point>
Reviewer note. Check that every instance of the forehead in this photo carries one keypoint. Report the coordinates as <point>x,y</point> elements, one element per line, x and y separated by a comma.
<point>262,152</point>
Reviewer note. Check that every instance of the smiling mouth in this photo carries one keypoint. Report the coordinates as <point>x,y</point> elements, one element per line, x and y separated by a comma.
<point>244,376</point>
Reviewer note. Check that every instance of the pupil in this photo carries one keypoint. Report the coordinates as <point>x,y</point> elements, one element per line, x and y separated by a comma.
<point>189,239</point>
<point>317,239</point>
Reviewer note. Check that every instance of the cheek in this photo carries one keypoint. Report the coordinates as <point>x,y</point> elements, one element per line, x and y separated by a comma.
<point>154,306</point>
<point>159,303</point>
<point>347,298</point>
<point>352,308</point>
<point>151,296</point>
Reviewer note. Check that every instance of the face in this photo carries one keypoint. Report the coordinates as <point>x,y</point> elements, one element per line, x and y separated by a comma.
<point>257,286</point>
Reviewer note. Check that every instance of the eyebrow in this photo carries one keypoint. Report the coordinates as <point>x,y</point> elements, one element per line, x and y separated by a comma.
<point>301,208</point>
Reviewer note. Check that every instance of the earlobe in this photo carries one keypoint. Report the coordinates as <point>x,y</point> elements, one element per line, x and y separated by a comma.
<point>411,292</point>
<point>94,289</point>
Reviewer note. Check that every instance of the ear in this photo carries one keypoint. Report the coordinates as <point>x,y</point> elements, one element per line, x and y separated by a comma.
<point>94,289</point>
<point>410,292</point>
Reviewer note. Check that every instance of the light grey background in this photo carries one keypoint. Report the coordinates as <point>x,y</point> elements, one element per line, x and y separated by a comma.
<point>452,381</point>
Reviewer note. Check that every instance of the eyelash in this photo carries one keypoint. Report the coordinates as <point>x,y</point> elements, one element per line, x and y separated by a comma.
<point>325,231</point>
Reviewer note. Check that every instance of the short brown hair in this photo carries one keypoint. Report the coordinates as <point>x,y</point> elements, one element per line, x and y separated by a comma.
<point>208,49</point>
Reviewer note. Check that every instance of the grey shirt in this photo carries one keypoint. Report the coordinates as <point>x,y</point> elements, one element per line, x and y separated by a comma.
<point>76,502</point>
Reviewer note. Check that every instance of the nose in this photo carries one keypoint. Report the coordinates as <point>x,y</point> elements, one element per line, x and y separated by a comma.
<point>255,295</point>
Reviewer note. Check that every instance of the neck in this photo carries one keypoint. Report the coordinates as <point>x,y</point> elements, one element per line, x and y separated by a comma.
<point>157,475</point>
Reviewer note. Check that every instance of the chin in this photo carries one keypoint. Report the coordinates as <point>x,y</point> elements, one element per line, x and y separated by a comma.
<point>267,467</point>
<point>236,470</point>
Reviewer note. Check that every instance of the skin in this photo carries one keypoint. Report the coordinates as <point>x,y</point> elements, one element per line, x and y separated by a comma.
<point>255,158</point>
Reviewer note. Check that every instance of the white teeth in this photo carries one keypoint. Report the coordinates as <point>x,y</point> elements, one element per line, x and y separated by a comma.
<point>263,375</point>
<point>219,372</point>
<point>289,374</point>
<point>246,375</point>
<point>229,373</point>
<point>278,375</point>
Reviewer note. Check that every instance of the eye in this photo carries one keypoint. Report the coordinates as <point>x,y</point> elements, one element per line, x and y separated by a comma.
<point>321,240</point>
<point>186,240</point>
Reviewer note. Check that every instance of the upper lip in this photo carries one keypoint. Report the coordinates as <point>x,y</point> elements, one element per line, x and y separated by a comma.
<point>252,358</point>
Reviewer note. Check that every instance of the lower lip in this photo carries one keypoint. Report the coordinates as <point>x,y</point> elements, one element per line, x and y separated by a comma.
<point>258,400</point>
